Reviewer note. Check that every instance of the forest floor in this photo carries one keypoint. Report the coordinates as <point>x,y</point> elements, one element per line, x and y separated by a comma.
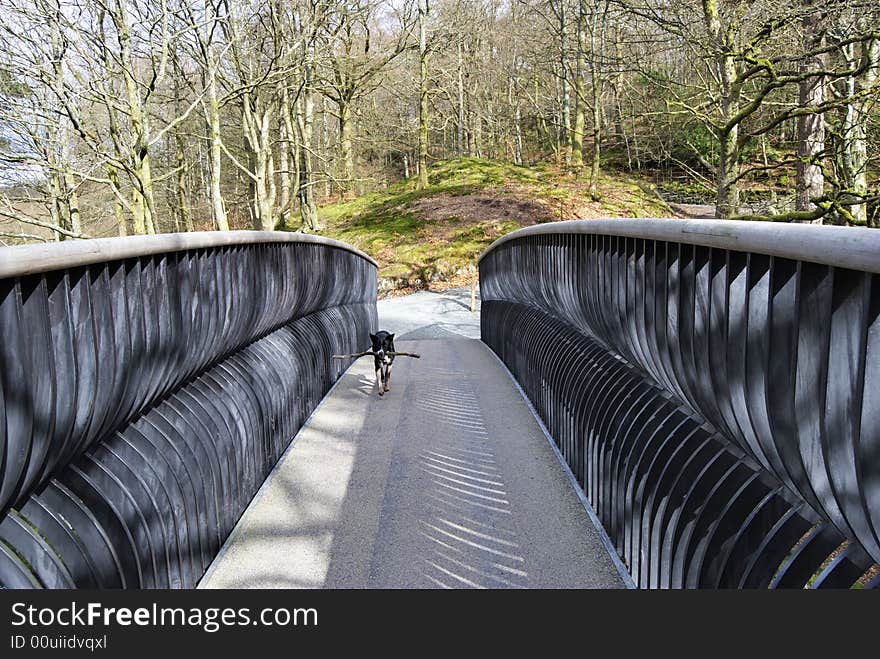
<point>430,239</point>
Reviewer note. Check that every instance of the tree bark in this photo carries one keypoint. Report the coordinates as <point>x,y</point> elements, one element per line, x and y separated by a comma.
<point>577,133</point>
<point>563,73</point>
<point>307,207</point>
<point>181,170</point>
<point>727,190</point>
<point>218,210</point>
<point>596,156</point>
<point>142,200</point>
<point>286,153</point>
<point>258,115</point>
<point>854,134</point>
<point>597,34</point>
<point>182,167</point>
<point>118,209</point>
<point>727,133</point>
<point>424,8</point>
<point>71,197</point>
<point>461,145</point>
<point>346,149</point>
<point>810,182</point>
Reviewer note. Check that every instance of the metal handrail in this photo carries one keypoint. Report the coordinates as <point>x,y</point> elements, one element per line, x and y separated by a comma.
<point>20,260</point>
<point>147,387</point>
<point>856,248</point>
<point>714,394</point>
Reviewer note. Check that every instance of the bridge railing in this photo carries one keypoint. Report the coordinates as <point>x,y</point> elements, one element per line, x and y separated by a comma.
<point>147,387</point>
<point>714,387</point>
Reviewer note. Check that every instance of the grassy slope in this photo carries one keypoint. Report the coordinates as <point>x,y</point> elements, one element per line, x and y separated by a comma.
<point>434,235</point>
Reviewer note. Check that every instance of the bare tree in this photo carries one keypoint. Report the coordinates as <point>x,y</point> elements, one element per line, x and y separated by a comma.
<point>424,11</point>
<point>356,55</point>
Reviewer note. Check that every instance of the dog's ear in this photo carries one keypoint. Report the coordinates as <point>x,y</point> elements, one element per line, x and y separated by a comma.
<point>390,337</point>
<point>374,338</point>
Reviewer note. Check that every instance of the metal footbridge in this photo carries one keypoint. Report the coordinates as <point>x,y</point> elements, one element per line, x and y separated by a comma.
<point>649,403</point>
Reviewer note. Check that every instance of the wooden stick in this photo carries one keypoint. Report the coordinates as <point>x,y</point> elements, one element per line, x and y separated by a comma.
<point>355,356</point>
<point>370,352</point>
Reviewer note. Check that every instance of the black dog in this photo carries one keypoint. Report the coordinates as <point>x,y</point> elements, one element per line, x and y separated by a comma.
<point>383,343</point>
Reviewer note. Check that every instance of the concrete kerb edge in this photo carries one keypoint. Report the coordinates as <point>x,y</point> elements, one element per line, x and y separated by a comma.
<point>624,574</point>
<point>265,485</point>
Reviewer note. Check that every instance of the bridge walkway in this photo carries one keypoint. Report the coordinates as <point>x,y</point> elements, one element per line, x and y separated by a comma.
<point>448,481</point>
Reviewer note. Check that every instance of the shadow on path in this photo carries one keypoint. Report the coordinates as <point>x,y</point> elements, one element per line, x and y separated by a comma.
<point>445,482</point>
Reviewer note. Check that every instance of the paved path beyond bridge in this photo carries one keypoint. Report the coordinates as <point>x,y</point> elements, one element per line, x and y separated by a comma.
<point>446,481</point>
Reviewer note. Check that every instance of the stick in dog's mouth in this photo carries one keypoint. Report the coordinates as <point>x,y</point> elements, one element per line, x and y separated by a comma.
<point>370,352</point>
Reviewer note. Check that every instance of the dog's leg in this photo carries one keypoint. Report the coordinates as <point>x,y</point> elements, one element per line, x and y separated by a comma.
<point>379,381</point>
<point>388,378</point>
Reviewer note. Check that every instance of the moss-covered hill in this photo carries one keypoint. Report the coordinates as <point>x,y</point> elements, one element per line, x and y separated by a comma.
<point>432,237</point>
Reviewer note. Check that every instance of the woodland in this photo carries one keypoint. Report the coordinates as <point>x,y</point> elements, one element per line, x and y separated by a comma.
<point>121,117</point>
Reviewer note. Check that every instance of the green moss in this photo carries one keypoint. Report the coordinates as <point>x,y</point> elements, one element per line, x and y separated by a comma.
<point>386,225</point>
<point>477,173</point>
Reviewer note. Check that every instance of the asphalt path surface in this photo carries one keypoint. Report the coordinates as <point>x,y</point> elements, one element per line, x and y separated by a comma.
<point>447,481</point>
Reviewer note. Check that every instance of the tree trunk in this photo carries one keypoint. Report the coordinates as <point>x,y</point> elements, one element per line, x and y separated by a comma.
<point>56,211</point>
<point>596,89</point>
<point>810,130</point>
<point>596,158</point>
<point>257,120</point>
<point>287,149</point>
<point>118,209</point>
<point>476,135</point>
<point>142,188</point>
<point>518,139</point>
<point>577,133</point>
<point>262,202</point>
<point>139,212</point>
<point>273,188</point>
<point>423,94</point>
<point>346,149</point>
<point>266,176</point>
<point>305,121</point>
<point>212,119</point>
<point>727,190</point>
<point>146,175</point>
<point>71,197</point>
<point>513,89</point>
<point>218,210</point>
<point>64,198</point>
<point>854,149</point>
<point>460,128</point>
<point>112,170</point>
<point>253,208</point>
<point>727,187</point>
<point>563,74</point>
<point>182,168</point>
<point>72,203</point>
